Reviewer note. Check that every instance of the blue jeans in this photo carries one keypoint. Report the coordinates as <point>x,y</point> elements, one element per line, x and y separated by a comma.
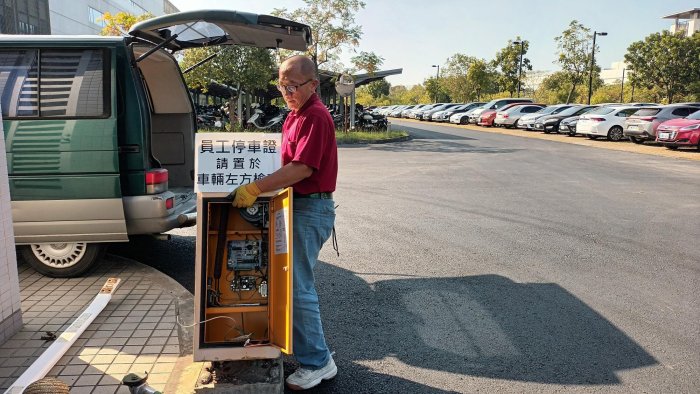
<point>313,223</point>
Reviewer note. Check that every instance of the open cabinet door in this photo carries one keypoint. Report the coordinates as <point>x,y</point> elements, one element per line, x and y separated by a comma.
<point>280,271</point>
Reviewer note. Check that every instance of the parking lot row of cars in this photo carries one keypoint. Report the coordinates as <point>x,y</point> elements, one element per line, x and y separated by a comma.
<point>673,126</point>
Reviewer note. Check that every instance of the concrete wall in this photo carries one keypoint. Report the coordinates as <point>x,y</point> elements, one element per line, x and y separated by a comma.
<point>10,307</point>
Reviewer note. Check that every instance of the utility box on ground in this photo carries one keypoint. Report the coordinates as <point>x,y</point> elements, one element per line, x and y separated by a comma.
<point>243,278</point>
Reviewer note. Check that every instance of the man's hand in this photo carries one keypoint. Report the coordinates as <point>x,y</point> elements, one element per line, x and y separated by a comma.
<point>245,195</point>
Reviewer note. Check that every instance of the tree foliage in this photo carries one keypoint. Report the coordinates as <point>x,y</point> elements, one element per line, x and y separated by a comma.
<point>669,61</point>
<point>507,62</point>
<point>120,23</point>
<point>332,25</point>
<point>367,61</point>
<point>465,78</point>
<point>252,68</point>
<point>481,79</point>
<point>455,80</point>
<point>556,88</point>
<point>379,88</point>
<point>573,55</point>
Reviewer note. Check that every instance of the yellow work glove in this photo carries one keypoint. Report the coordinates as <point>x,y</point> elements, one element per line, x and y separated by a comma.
<point>245,195</point>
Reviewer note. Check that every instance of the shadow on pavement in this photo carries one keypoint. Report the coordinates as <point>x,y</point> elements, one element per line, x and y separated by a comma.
<point>483,326</point>
<point>174,258</point>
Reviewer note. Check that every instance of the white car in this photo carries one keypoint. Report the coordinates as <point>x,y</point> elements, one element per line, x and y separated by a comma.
<point>509,117</point>
<point>527,122</point>
<point>605,122</point>
<point>463,117</point>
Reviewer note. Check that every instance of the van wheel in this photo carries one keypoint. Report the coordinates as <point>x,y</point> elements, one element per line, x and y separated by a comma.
<point>62,260</point>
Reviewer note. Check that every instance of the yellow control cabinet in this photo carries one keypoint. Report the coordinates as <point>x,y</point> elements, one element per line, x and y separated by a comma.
<point>243,278</point>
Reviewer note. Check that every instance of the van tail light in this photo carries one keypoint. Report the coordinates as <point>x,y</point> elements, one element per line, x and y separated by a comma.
<point>156,181</point>
<point>597,119</point>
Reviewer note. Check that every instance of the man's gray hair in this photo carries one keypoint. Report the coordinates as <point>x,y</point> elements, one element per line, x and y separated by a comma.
<point>304,65</point>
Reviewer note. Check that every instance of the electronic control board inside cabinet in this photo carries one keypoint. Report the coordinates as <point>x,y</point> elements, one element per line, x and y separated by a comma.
<point>243,278</point>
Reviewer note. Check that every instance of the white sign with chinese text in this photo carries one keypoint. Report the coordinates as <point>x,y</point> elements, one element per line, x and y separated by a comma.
<point>225,161</point>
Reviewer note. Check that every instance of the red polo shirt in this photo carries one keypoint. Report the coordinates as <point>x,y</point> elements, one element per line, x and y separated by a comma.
<point>308,137</point>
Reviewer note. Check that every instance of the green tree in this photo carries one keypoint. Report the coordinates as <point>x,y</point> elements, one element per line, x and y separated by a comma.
<point>252,68</point>
<point>120,23</point>
<point>573,55</point>
<point>367,61</point>
<point>481,79</point>
<point>454,77</point>
<point>507,61</point>
<point>332,25</point>
<point>436,89</point>
<point>416,94</point>
<point>247,68</point>
<point>669,61</point>
<point>378,88</point>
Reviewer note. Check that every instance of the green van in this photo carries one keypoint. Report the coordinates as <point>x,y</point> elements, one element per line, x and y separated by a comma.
<point>99,131</point>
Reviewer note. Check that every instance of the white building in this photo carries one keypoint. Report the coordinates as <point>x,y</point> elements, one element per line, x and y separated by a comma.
<point>83,16</point>
<point>687,22</point>
<point>614,73</point>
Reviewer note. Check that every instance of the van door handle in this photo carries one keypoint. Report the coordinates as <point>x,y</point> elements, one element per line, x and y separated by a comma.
<point>129,149</point>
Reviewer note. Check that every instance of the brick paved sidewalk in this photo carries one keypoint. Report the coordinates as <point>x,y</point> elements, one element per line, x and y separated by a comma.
<point>136,332</point>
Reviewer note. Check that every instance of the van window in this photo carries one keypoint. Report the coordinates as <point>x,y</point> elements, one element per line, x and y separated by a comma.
<point>72,83</point>
<point>18,83</point>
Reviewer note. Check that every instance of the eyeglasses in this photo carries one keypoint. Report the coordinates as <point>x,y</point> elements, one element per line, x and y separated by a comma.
<point>291,88</point>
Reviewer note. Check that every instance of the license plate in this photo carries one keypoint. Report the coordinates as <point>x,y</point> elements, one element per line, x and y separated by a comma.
<point>664,136</point>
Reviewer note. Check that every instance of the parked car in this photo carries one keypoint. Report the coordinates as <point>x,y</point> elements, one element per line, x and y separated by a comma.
<point>605,122</point>
<point>406,111</point>
<point>568,125</point>
<point>488,117</point>
<point>550,123</point>
<point>419,114</point>
<point>427,115</point>
<point>641,125</point>
<point>527,122</point>
<point>510,117</point>
<point>675,133</point>
<point>444,115</point>
<point>396,112</point>
<point>495,104</point>
<point>106,151</point>
<point>463,117</point>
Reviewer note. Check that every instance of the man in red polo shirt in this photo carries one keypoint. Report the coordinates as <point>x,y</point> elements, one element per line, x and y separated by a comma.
<point>310,166</point>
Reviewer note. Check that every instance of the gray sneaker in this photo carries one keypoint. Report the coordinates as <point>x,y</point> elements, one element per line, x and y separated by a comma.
<point>303,378</point>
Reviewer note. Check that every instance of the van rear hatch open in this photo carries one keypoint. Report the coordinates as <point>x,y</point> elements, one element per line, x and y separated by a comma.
<point>200,28</point>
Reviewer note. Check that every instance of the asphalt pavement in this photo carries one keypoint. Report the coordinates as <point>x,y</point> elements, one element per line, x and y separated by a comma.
<point>480,262</point>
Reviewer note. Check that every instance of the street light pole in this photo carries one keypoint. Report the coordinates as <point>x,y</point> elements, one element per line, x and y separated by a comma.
<point>622,88</point>
<point>520,66</point>
<point>437,81</point>
<point>590,72</point>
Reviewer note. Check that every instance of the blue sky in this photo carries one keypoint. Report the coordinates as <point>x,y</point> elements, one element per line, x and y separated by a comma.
<point>414,35</point>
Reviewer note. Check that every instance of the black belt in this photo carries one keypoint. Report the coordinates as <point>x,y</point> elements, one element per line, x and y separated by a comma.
<point>321,196</point>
